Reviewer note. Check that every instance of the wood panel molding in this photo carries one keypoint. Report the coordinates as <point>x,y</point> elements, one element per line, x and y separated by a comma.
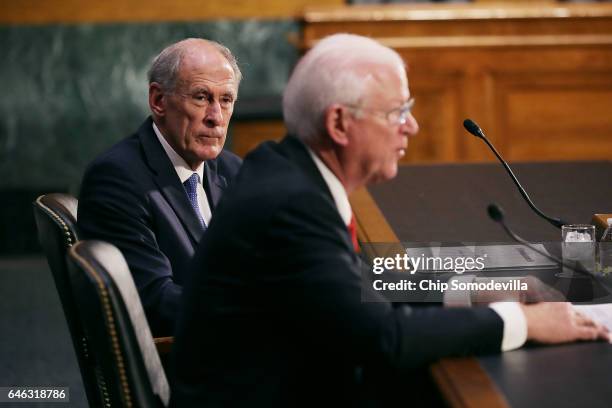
<point>111,11</point>
<point>553,115</point>
<point>455,12</point>
<point>497,41</point>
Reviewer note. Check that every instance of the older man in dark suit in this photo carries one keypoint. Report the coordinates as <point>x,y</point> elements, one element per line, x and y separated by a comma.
<point>273,315</point>
<point>153,193</point>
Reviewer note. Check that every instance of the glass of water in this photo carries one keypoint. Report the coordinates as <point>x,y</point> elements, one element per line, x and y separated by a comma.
<point>578,248</point>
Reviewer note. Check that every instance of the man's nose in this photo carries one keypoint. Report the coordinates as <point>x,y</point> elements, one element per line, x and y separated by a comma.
<point>410,127</point>
<point>214,115</point>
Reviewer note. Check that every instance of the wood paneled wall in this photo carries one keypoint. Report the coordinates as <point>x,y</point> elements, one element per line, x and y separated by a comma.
<point>99,11</point>
<point>536,77</point>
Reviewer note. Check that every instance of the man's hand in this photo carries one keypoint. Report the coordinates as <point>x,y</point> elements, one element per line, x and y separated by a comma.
<point>560,323</point>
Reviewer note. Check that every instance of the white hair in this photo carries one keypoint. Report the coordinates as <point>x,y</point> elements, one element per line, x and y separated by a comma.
<point>331,72</point>
<point>165,66</point>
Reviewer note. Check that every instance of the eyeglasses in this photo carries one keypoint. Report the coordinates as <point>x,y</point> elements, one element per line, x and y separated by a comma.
<point>397,116</point>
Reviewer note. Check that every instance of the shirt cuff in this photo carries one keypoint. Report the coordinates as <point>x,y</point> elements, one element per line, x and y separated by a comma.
<point>459,298</point>
<point>515,324</point>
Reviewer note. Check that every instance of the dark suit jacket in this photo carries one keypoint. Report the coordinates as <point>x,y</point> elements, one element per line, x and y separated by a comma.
<point>132,197</point>
<point>273,315</point>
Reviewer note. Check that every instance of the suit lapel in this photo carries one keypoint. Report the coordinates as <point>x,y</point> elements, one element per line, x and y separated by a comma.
<point>214,183</point>
<point>296,151</point>
<point>168,181</point>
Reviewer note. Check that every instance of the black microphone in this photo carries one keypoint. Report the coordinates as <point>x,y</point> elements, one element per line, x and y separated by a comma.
<point>497,214</point>
<point>474,129</point>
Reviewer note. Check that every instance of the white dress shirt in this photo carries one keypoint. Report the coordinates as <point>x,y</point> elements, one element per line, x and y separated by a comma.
<point>515,323</point>
<point>184,172</point>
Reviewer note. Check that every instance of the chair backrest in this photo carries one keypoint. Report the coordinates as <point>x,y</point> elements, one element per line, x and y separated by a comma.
<point>56,216</point>
<point>112,316</point>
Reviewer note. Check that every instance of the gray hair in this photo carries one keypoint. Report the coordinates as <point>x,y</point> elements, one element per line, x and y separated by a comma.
<point>165,67</point>
<point>331,72</point>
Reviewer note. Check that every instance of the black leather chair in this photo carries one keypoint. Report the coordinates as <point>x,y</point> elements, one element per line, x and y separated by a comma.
<point>112,316</point>
<point>55,216</point>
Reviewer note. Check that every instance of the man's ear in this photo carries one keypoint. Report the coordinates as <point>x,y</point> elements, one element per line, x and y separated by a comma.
<point>157,103</point>
<point>336,123</point>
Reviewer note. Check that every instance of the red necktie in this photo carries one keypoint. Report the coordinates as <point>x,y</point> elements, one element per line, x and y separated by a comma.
<point>352,229</point>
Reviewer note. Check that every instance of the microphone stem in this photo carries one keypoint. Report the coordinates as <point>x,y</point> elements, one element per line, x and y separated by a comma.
<point>557,223</point>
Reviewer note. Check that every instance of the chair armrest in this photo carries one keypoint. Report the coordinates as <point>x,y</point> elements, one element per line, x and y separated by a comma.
<point>163,344</point>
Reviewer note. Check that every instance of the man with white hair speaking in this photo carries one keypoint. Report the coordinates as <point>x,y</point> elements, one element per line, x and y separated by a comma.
<point>273,315</point>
